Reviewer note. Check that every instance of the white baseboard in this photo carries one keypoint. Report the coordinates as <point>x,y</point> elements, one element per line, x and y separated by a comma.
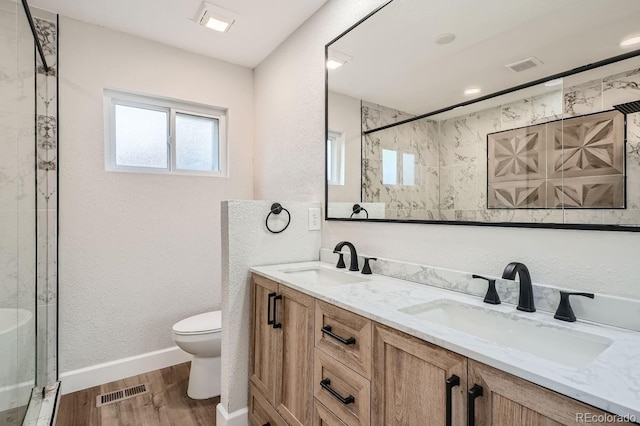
<point>100,374</point>
<point>237,418</point>
<point>15,395</point>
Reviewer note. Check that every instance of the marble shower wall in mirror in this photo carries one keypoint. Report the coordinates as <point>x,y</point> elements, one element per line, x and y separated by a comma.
<point>435,168</point>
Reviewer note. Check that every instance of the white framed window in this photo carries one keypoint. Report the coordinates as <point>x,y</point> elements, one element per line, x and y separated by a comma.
<point>158,135</point>
<point>335,158</point>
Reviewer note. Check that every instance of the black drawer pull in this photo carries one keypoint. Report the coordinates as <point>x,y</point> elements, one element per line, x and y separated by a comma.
<point>267,424</point>
<point>451,382</point>
<point>327,330</point>
<point>269,319</point>
<point>275,315</point>
<point>474,392</point>
<point>325,385</point>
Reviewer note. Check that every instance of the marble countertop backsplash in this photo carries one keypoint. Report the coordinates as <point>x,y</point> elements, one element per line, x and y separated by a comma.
<point>603,309</point>
<point>610,382</point>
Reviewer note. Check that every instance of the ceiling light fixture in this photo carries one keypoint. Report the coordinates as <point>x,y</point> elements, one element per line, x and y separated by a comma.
<point>632,40</point>
<point>337,59</point>
<point>471,91</point>
<point>214,17</point>
<point>332,64</point>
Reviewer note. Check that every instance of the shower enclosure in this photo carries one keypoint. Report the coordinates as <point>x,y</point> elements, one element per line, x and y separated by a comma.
<point>28,214</point>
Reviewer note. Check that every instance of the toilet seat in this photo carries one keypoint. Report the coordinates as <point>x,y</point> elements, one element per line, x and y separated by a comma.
<point>208,322</point>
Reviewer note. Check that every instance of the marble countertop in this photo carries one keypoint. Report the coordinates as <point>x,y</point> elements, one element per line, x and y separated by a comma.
<point>611,382</point>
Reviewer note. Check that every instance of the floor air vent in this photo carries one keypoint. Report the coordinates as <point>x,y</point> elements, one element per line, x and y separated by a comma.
<point>121,394</point>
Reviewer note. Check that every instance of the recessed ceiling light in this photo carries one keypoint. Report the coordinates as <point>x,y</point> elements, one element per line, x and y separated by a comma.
<point>337,59</point>
<point>552,83</point>
<point>332,64</point>
<point>472,91</point>
<point>218,24</point>
<point>214,17</point>
<point>630,41</point>
<point>445,38</point>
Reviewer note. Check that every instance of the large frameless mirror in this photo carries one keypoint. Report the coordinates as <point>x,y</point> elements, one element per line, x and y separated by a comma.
<point>510,113</point>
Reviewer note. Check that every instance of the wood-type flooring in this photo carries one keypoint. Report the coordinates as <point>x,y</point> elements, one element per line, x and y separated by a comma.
<point>166,403</point>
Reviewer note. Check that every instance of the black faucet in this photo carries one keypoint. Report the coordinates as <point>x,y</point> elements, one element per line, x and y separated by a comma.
<point>564,311</point>
<point>525,301</point>
<point>354,255</point>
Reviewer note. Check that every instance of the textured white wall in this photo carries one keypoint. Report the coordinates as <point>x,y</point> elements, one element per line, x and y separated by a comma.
<point>289,90</point>
<point>289,111</point>
<point>245,243</point>
<point>138,252</point>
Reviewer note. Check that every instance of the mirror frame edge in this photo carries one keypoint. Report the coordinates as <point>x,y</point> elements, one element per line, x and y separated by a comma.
<point>538,225</point>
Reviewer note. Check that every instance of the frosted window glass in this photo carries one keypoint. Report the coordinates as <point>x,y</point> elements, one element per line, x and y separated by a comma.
<point>196,143</point>
<point>389,167</point>
<point>408,169</point>
<point>141,137</point>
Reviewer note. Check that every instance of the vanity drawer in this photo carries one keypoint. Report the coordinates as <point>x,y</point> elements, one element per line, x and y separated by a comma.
<point>346,337</point>
<point>345,393</point>
<point>261,412</point>
<point>322,416</point>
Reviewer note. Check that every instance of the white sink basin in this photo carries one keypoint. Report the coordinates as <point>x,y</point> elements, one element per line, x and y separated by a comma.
<point>326,277</point>
<point>569,347</point>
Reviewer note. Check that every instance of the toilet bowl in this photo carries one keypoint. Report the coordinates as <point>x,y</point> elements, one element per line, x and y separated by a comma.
<point>201,335</point>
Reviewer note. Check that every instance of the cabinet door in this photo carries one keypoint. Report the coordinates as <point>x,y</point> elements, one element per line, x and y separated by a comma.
<point>409,385</point>
<point>294,397</point>
<point>263,338</point>
<point>509,400</point>
<point>261,413</point>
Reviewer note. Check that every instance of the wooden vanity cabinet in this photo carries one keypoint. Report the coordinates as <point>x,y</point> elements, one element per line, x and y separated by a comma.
<point>393,378</point>
<point>409,387</point>
<point>510,400</point>
<point>281,359</point>
<point>409,383</point>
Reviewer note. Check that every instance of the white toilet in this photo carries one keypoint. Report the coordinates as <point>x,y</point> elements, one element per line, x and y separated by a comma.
<point>201,336</point>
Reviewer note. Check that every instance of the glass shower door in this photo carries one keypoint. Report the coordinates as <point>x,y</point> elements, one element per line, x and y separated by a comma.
<point>17,213</point>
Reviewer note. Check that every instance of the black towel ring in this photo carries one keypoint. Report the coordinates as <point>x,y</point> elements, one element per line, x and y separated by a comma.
<point>357,208</point>
<point>276,209</point>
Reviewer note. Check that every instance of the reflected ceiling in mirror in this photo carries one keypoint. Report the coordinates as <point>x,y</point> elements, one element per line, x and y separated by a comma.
<point>434,166</point>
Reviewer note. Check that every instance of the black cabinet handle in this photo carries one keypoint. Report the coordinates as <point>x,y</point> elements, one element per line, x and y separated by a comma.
<point>451,382</point>
<point>473,393</point>
<point>267,424</point>
<point>275,315</point>
<point>327,330</point>
<point>269,319</point>
<point>325,385</point>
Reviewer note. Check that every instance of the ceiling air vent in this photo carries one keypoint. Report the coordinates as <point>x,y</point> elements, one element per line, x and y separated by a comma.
<point>629,107</point>
<point>524,64</point>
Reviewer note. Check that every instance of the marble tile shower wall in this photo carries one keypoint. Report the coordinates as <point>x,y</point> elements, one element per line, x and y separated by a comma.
<point>47,199</point>
<point>419,201</point>
<point>451,155</point>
